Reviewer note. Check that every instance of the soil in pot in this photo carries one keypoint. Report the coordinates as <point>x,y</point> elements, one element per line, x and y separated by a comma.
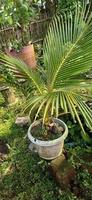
<point>49,131</point>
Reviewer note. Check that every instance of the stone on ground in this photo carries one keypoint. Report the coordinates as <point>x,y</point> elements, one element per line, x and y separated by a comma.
<point>22,121</point>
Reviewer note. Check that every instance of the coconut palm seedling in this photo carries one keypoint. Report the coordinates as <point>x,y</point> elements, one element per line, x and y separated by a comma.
<point>67,55</point>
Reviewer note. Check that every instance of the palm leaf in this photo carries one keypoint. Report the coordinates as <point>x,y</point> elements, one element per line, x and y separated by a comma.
<point>67,47</point>
<point>14,64</point>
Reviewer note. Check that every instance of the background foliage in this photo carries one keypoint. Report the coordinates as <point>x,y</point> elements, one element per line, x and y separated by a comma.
<point>17,12</point>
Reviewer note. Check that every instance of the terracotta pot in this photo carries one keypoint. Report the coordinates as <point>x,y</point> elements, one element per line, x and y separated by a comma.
<point>27,54</point>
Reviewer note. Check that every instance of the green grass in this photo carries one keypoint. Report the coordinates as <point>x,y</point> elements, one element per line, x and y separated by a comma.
<point>24,176</point>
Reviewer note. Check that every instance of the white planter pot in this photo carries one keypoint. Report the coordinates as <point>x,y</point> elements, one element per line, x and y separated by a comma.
<point>48,149</point>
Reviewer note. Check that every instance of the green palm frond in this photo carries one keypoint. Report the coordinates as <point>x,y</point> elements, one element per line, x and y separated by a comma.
<point>67,102</point>
<point>67,47</point>
<point>14,64</point>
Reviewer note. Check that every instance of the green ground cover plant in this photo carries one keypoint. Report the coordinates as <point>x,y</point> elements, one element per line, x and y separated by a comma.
<point>24,175</point>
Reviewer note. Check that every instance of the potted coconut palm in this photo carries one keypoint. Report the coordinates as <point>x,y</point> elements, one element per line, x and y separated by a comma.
<point>60,87</point>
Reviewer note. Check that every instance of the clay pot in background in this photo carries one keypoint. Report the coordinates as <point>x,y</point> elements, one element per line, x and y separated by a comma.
<point>27,54</point>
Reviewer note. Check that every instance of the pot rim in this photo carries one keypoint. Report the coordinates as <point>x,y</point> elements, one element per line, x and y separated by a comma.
<point>50,142</point>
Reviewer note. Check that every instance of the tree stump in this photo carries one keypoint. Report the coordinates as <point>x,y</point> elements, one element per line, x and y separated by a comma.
<point>62,171</point>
